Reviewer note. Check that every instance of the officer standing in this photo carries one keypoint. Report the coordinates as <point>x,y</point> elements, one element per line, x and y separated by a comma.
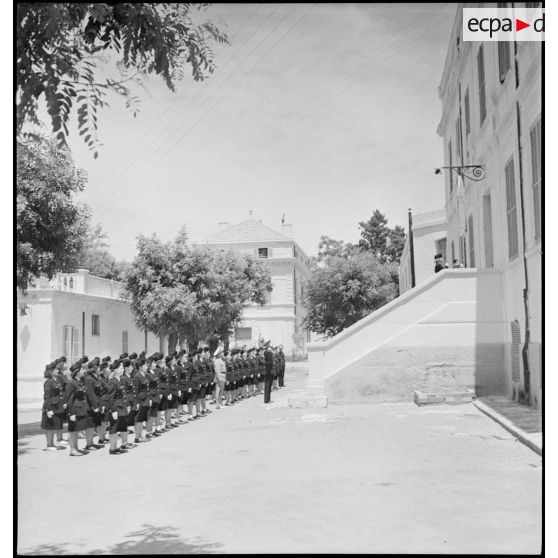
<point>143,403</point>
<point>281,355</point>
<point>268,359</point>
<point>53,408</point>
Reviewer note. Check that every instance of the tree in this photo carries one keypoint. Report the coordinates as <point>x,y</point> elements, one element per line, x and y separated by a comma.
<point>345,291</point>
<point>62,46</point>
<point>51,226</point>
<point>97,259</point>
<point>192,294</point>
<point>329,247</point>
<point>376,237</point>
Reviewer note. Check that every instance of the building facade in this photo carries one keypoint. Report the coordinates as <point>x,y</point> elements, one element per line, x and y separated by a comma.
<point>73,315</point>
<point>280,318</point>
<point>429,238</point>
<point>491,116</point>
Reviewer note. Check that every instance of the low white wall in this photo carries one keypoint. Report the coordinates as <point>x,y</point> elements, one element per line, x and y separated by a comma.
<point>453,308</point>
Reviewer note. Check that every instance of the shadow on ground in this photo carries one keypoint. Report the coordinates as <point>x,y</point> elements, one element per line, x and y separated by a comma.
<point>148,540</point>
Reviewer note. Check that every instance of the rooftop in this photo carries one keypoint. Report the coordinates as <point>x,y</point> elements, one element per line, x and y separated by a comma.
<point>245,231</point>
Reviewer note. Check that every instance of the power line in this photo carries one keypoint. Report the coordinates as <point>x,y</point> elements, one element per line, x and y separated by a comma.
<point>159,148</point>
<point>170,104</point>
<point>186,107</point>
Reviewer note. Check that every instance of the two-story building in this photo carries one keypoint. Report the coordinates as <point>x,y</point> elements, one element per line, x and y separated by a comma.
<point>491,116</point>
<point>73,315</point>
<point>280,318</point>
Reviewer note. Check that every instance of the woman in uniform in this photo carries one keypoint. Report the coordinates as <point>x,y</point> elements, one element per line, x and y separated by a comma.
<point>143,402</point>
<point>117,408</point>
<point>154,397</point>
<point>174,390</point>
<point>181,368</point>
<point>229,379</point>
<point>78,408</point>
<point>128,386</point>
<point>91,406</point>
<point>105,415</point>
<point>53,408</point>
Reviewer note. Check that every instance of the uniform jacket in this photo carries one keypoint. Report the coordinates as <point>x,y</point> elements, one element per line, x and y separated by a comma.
<point>153,386</point>
<point>53,396</point>
<point>268,358</point>
<point>76,397</point>
<point>128,384</point>
<point>163,377</point>
<point>173,380</point>
<point>141,389</point>
<point>93,390</point>
<point>117,398</point>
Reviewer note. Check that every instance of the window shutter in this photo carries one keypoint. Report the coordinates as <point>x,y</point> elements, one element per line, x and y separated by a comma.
<point>516,340</point>
<point>482,93</point>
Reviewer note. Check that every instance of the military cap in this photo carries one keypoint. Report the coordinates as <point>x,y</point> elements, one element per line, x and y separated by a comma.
<point>126,362</point>
<point>60,359</point>
<point>75,366</point>
<point>168,358</point>
<point>50,366</point>
<point>123,356</point>
<point>105,359</point>
<point>149,359</point>
<point>437,256</point>
<point>133,356</point>
<point>97,360</point>
<point>104,365</point>
<point>91,364</point>
<point>182,352</point>
<point>83,360</point>
<point>140,362</point>
<point>114,364</point>
<point>143,354</point>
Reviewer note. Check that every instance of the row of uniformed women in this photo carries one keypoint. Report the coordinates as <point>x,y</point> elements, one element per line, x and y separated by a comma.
<point>133,390</point>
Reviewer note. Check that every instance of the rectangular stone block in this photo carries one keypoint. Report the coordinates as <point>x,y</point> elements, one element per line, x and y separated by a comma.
<point>307,401</point>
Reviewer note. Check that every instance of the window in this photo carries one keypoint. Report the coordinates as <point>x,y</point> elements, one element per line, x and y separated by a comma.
<point>536,174</point>
<point>452,251</point>
<point>450,173</point>
<point>504,62</point>
<point>95,324</point>
<point>263,252</point>
<point>488,244</point>
<point>511,209</point>
<point>124,341</point>
<point>467,114</point>
<point>71,282</point>
<point>482,92</point>
<point>471,241</point>
<point>243,333</point>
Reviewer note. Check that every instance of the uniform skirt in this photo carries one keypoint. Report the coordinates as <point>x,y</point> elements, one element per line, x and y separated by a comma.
<point>164,404</point>
<point>118,425</point>
<point>201,392</point>
<point>77,425</point>
<point>131,418</point>
<point>154,410</point>
<point>54,423</point>
<point>173,403</point>
<point>184,397</point>
<point>141,415</point>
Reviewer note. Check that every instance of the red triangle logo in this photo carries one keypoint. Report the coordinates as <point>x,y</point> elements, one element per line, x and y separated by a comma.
<point>519,25</point>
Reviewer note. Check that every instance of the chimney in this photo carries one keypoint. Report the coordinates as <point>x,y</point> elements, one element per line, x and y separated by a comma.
<point>222,225</point>
<point>287,230</point>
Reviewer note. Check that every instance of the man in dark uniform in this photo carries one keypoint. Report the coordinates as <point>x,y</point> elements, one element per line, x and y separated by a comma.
<point>268,358</point>
<point>281,360</point>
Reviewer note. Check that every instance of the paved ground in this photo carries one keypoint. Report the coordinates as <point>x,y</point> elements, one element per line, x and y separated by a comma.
<point>256,479</point>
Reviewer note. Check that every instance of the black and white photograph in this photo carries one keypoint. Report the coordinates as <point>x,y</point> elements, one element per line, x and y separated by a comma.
<point>279,278</point>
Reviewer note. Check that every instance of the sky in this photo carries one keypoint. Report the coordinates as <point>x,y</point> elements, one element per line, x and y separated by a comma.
<point>319,112</point>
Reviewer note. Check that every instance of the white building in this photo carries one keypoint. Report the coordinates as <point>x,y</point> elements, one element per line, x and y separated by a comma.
<point>280,319</point>
<point>429,238</point>
<point>73,315</point>
<point>491,97</point>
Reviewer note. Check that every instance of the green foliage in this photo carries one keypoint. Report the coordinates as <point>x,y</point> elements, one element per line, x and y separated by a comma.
<point>376,237</point>
<point>345,291</point>
<point>62,46</point>
<point>51,226</point>
<point>192,293</point>
<point>329,247</point>
<point>97,259</point>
